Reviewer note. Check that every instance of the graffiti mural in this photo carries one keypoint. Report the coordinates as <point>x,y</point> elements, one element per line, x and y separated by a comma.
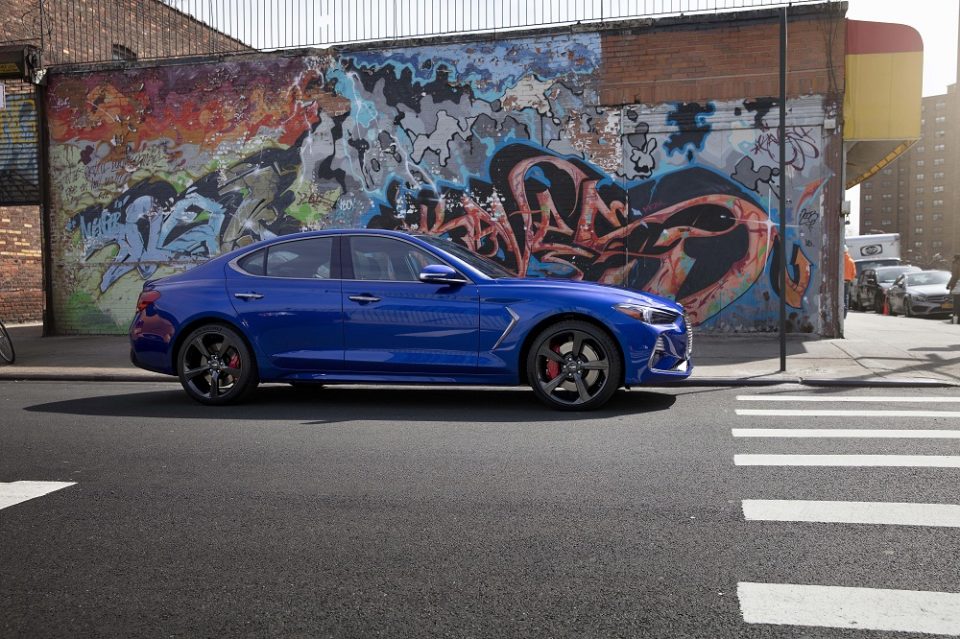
<point>502,146</point>
<point>19,151</point>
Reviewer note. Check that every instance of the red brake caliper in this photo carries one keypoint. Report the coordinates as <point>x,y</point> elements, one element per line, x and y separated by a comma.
<point>234,361</point>
<point>553,368</point>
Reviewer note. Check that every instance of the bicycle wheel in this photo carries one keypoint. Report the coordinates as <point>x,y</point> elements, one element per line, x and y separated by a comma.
<point>6,345</point>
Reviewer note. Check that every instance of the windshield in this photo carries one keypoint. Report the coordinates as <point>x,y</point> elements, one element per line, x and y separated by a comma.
<point>928,277</point>
<point>483,264</point>
<point>889,274</point>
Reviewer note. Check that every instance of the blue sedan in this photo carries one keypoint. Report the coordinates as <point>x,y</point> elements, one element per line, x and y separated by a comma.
<point>369,306</point>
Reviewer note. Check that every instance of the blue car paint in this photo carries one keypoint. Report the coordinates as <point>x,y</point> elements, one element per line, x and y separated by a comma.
<point>432,321</point>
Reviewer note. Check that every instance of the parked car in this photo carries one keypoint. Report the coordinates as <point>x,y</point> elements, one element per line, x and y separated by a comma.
<point>387,307</point>
<point>872,284</point>
<point>923,293</point>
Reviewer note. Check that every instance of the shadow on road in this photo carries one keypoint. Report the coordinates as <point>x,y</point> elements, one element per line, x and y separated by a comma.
<point>333,404</point>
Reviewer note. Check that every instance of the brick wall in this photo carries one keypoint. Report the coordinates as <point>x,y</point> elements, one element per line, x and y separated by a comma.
<point>21,276</point>
<point>706,58</point>
<point>80,31</point>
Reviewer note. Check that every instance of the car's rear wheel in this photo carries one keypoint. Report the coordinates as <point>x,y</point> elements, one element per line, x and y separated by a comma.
<point>215,366</point>
<point>574,365</point>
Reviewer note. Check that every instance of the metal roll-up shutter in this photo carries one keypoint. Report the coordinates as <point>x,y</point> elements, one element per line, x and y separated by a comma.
<point>19,146</point>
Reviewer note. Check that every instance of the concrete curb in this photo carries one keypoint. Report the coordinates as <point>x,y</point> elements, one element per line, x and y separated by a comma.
<point>115,375</point>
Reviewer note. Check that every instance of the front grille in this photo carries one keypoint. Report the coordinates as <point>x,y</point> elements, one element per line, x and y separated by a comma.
<point>662,317</point>
<point>936,299</point>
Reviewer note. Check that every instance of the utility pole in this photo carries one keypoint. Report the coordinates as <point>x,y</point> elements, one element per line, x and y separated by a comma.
<point>782,134</point>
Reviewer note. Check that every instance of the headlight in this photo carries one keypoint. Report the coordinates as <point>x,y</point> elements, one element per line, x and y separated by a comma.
<point>919,298</point>
<point>647,314</point>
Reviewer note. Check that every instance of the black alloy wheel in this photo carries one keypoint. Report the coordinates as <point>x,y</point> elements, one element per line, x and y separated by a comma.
<point>574,365</point>
<point>216,367</point>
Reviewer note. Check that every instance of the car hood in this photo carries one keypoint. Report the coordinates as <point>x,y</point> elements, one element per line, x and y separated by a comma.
<point>612,294</point>
<point>928,289</point>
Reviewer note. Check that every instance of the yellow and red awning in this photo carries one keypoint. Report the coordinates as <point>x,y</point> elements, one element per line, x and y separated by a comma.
<point>884,84</point>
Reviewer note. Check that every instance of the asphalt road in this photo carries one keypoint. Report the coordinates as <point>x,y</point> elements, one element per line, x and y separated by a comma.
<point>447,513</point>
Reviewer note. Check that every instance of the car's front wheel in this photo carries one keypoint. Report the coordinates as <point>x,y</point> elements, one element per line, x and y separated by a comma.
<point>215,366</point>
<point>573,365</point>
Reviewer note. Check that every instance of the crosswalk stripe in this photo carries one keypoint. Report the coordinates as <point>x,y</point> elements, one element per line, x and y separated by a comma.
<point>775,412</point>
<point>914,611</point>
<point>927,461</point>
<point>19,491</point>
<point>852,512</point>
<point>864,433</point>
<point>864,399</point>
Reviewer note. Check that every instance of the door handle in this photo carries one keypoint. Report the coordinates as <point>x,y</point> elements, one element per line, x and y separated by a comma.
<point>248,296</point>
<point>363,299</point>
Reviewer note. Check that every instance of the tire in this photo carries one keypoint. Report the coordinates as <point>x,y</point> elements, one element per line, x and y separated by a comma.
<point>590,357</point>
<point>215,366</point>
<point>907,308</point>
<point>7,354</point>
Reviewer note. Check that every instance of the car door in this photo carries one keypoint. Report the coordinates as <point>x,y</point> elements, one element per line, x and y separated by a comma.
<point>895,294</point>
<point>868,294</point>
<point>394,324</point>
<point>288,298</point>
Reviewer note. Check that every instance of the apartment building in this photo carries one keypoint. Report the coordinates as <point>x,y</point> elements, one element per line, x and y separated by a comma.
<point>918,194</point>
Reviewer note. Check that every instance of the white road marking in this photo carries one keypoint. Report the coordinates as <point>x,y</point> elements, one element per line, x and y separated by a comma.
<point>913,611</point>
<point>18,491</point>
<point>775,412</point>
<point>852,512</point>
<point>926,461</point>
<point>865,433</point>
<point>869,400</point>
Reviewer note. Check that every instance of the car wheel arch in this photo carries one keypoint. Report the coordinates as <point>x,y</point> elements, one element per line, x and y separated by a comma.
<point>561,317</point>
<point>196,323</point>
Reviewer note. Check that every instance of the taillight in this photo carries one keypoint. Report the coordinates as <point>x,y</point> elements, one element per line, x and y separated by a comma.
<point>146,298</point>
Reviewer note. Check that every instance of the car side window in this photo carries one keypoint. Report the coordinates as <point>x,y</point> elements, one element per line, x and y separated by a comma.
<point>305,259</point>
<point>388,259</point>
<point>253,263</point>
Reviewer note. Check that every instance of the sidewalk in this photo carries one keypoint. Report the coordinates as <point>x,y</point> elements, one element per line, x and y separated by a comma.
<point>878,350</point>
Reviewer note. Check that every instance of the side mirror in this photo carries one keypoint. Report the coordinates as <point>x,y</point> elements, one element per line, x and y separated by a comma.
<point>440,274</point>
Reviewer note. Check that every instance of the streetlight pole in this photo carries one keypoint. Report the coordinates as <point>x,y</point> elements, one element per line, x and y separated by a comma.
<point>782,133</point>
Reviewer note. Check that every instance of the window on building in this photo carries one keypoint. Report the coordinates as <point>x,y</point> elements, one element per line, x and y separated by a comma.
<point>887,171</point>
<point>941,104</point>
<point>939,147</point>
<point>918,230</point>
<point>919,163</point>
<point>937,217</point>
<point>938,202</point>
<point>867,198</point>
<point>887,196</point>
<point>918,217</point>
<point>939,162</point>
<point>918,244</point>
<point>919,176</point>
<point>886,222</point>
<point>918,204</point>
<point>919,189</point>
<point>121,52</point>
<point>868,210</point>
<point>938,189</point>
<point>919,149</point>
<point>938,175</point>
<point>886,209</point>
<point>941,133</point>
<point>941,119</point>
<point>937,244</point>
